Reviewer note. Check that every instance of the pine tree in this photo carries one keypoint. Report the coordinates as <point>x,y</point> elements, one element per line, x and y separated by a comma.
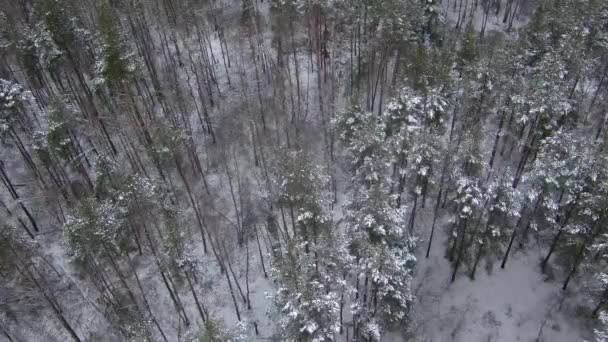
<point>213,330</point>
<point>501,212</point>
<point>567,160</point>
<point>362,136</point>
<point>30,284</point>
<point>299,187</point>
<point>600,333</point>
<point>307,305</point>
<point>113,66</point>
<point>383,249</point>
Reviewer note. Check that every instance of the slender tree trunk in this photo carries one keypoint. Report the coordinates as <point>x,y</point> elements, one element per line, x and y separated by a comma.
<point>497,139</point>
<point>437,204</point>
<point>602,302</point>
<point>257,238</point>
<point>199,306</point>
<point>145,300</point>
<point>504,259</point>
<point>480,250</point>
<point>577,259</point>
<point>247,274</point>
<point>6,334</point>
<point>460,249</point>
<point>53,304</point>
<point>558,235</point>
<point>413,215</point>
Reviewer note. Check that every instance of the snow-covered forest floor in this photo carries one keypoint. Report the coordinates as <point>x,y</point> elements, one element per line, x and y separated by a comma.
<point>512,304</point>
<point>240,87</point>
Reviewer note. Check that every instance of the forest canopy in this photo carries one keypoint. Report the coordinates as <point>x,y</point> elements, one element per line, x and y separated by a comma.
<point>297,170</point>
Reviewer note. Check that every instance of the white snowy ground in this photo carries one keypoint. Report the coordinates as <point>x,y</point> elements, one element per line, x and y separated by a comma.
<point>514,304</point>
<point>494,22</point>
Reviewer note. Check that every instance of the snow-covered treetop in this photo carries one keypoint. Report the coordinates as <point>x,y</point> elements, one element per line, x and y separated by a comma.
<point>100,223</point>
<point>11,96</point>
<point>362,135</point>
<point>566,162</point>
<point>306,304</point>
<point>601,334</point>
<point>62,117</point>
<point>397,20</point>
<point>390,270</point>
<point>505,200</point>
<point>425,157</point>
<point>571,174</point>
<point>299,184</point>
<point>370,212</point>
<point>412,110</point>
<point>57,19</point>
<point>301,6</point>
<point>10,236</point>
<point>214,330</point>
<point>470,196</point>
<point>39,42</point>
<point>115,61</point>
<point>168,143</point>
<point>94,228</point>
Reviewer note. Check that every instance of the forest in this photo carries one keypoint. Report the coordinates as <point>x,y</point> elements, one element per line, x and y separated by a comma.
<point>303,170</point>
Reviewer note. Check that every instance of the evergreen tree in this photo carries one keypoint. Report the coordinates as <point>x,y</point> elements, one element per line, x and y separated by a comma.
<point>362,136</point>
<point>213,330</point>
<point>299,186</point>
<point>307,305</point>
<point>115,65</point>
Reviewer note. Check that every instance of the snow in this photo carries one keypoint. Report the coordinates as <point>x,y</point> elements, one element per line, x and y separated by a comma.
<point>512,304</point>
<point>494,22</point>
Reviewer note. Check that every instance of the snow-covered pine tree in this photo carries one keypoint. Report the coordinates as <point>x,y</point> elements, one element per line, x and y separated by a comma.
<point>114,64</point>
<point>299,186</point>
<point>601,333</point>
<point>307,306</point>
<point>415,122</point>
<point>215,330</point>
<point>469,205</point>
<point>570,165</point>
<point>383,249</point>
<point>31,280</point>
<point>469,202</point>
<point>597,289</point>
<point>379,240</point>
<point>585,232</point>
<point>100,233</point>
<point>308,301</point>
<point>501,213</point>
<point>60,145</point>
<point>362,136</point>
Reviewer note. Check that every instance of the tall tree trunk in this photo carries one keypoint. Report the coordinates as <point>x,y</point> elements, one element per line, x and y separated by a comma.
<point>559,234</point>
<point>145,300</point>
<point>460,249</point>
<point>257,238</point>
<point>199,305</point>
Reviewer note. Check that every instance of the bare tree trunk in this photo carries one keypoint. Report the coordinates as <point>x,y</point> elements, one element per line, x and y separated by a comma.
<point>437,204</point>
<point>559,234</point>
<point>236,281</point>
<point>257,238</point>
<point>247,275</point>
<point>145,300</point>
<point>199,305</point>
<point>460,249</point>
<point>48,296</point>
